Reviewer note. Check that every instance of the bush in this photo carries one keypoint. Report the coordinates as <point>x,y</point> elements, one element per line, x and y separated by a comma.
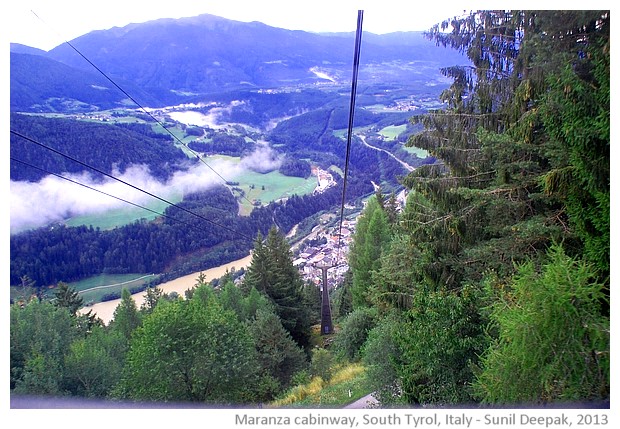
<point>382,357</point>
<point>441,338</point>
<point>322,364</point>
<point>553,342</point>
<point>354,332</point>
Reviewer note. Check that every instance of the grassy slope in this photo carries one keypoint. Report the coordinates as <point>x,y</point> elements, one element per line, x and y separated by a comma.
<point>347,385</point>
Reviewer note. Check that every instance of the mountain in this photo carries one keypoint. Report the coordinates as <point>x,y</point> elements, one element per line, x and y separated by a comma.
<point>173,59</point>
<point>18,48</point>
<point>40,84</point>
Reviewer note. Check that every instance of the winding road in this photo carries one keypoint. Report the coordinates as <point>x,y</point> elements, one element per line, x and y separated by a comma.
<point>403,163</point>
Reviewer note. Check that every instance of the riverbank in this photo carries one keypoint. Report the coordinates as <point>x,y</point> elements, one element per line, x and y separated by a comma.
<point>105,310</point>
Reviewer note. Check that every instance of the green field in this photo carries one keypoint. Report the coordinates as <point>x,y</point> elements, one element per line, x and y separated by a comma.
<point>123,216</point>
<point>92,289</point>
<point>393,131</point>
<point>336,169</point>
<point>420,153</point>
<point>271,187</point>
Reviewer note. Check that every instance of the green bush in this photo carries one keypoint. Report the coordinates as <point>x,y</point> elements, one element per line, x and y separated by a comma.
<point>354,332</point>
<point>322,364</point>
<point>382,357</point>
<point>441,338</point>
<point>553,342</point>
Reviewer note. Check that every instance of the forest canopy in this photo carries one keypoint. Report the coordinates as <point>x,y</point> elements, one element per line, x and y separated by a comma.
<point>508,233</point>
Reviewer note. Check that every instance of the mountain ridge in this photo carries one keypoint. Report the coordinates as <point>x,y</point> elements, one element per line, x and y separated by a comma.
<point>207,54</point>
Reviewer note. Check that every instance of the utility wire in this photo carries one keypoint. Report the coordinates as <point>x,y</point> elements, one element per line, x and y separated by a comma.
<point>143,109</point>
<point>102,192</point>
<point>356,65</point>
<point>129,184</point>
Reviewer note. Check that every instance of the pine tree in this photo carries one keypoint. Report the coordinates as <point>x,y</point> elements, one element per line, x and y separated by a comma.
<point>68,298</point>
<point>371,238</point>
<point>278,356</point>
<point>126,316</point>
<point>272,273</point>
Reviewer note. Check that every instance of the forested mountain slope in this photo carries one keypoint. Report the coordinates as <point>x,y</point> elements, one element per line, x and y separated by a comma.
<point>494,284</point>
<point>107,147</point>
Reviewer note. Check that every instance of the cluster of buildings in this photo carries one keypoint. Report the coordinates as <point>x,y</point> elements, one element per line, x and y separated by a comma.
<point>328,248</point>
<point>325,180</point>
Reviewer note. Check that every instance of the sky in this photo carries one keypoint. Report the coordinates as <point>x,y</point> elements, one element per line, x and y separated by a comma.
<point>59,20</point>
<point>46,24</point>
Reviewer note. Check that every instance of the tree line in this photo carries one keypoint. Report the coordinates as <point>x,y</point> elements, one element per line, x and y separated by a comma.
<point>174,245</point>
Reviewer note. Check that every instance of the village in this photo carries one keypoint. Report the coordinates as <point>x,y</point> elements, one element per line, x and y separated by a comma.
<point>328,247</point>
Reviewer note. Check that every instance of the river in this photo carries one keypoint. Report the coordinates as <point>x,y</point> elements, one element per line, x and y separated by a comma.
<point>105,310</point>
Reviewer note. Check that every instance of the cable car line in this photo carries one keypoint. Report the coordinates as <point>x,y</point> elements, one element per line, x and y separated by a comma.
<point>356,64</point>
<point>144,109</point>
<point>356,59</point>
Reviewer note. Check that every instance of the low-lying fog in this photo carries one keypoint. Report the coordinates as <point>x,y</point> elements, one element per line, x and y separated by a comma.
<point>35,204</point>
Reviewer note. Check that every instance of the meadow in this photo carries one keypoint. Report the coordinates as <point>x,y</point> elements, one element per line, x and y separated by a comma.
<point>93,289</point>
<point>271,186</point>
<point>122,216</point>
<point>393,131</point>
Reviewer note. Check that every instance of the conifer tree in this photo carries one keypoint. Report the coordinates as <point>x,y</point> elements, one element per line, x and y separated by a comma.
<point>126,315</point>
<point>272,273</point>
<point>68,298</point>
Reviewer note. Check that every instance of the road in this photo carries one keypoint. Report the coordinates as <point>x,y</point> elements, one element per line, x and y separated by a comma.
<point>403,163</point>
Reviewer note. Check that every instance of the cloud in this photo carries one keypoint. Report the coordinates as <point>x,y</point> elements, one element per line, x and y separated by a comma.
<point>263,159</point>
<point>53,199</point>
<point>190,115</point>
<point>35,204</point>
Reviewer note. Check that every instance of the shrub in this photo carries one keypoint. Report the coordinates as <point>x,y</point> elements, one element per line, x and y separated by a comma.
<point>354,332</point>
<point>553,342</point>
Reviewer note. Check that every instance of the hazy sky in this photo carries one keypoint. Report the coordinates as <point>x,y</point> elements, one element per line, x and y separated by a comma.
<point>62,20</point>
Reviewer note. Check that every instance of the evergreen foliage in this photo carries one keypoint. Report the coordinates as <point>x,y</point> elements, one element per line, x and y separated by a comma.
<point>522,163</point>
<point>372,234</point>
<point>278,356</point>
<point>272,273</point>
<point>126,316</point>
<point>552,342</point>
<point>68,298</point>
